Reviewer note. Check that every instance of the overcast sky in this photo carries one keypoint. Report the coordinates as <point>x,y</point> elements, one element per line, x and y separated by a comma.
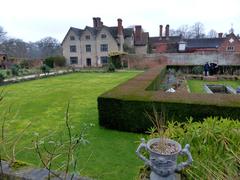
<point>32,20</point>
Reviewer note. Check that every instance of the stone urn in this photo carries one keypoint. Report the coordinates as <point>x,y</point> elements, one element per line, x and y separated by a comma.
<point>163,161</point>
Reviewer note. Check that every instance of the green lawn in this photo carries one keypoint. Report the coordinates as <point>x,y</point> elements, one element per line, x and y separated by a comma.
<point>110,154</point>
<point>196,86</point>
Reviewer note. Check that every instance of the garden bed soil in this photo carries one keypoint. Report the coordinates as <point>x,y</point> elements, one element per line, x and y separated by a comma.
<point>164,148</point>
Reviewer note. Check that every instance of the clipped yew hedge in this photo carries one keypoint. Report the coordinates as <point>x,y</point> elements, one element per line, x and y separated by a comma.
<point>125,107</point>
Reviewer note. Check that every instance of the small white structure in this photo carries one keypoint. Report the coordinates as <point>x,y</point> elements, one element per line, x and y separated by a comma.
<point>171,90</point>
<point>182,46</point>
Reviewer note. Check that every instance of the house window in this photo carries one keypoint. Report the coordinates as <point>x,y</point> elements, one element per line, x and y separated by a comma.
<point>104,47</point>
<point>87,37</point>
<point>103,36</point>
<point>73,48</point>
<point>72,38</point>
<point>73,60</point>
<point>104,59</point>
<point>88,48</point>
<point>230,48</point>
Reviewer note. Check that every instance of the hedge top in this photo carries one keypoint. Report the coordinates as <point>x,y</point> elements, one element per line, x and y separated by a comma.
<point>135,90</point>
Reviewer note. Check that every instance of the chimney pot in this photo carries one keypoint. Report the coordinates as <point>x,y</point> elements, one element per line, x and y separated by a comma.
<point>167,31</point>
<point>160,31</point>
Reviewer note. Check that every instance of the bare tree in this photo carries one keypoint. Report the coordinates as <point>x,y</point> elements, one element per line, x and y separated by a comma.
<point>15,48</point>
<point>184,30</point>
<point>198,30</point>
<point>212,33</point>
<point>49,47</point>
<point>2,34</point>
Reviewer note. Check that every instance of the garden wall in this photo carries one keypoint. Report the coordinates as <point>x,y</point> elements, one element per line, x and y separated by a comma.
<point>126,106</point>
<point>152,60</point>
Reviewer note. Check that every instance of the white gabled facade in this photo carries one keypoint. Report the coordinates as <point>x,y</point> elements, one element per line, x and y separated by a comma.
<point>91,46</point>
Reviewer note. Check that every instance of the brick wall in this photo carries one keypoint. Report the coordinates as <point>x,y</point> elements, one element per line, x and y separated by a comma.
<point>151,60</point>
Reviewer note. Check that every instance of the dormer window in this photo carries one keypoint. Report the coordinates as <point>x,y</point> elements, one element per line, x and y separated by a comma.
<point>87,37</point>
<point>230,48</point>
<point>72,38</point>
<point>103,36</point>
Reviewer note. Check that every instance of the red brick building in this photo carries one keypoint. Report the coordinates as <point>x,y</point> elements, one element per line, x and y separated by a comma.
<point>173,44</point>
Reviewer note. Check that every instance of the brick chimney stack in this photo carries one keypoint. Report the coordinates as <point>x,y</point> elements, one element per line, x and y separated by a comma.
<point>138,33</point>
<point>94,22</point>
<point>167,31</point>
<point>220,35</point>
<point>98,22</point>
<point>120,34</point>
<point>119,27</point>
<point>160,31</point>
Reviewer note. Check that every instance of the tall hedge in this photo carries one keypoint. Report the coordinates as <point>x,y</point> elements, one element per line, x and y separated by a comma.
<point>125,106</point>
<point>131,116</point>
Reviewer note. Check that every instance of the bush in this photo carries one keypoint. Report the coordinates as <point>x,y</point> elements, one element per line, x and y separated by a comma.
<point>59,61</point>
<point>116,61</point>
<point>110,67</point>
<point>15,69</point>
<point>45,68</point>
<point>24,64</point>
<point>214,147</point>
<point>53,61</point>
<point>2,76</point>
<point>197,70</point>
<point>8,73</point>
<point>49,62</point>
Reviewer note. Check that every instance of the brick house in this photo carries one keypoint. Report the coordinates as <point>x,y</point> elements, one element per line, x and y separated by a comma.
<point>172,44</point>
<point>90,46</point>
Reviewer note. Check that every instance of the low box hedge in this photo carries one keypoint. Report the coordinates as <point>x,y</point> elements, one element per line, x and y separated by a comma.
<point>125,106</point>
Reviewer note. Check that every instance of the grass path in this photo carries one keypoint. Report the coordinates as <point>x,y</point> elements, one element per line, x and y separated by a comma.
<point>110,154</point>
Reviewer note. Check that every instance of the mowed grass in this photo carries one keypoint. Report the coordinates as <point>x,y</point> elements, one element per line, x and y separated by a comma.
<point>196,86</point>
<point>109,155</point>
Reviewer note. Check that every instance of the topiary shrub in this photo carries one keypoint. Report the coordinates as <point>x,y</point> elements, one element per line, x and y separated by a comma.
<point>197,70</point>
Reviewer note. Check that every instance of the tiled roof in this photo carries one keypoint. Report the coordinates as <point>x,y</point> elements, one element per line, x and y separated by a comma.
<point>76,30</point>
<point>112,30</point>
<point>204,43</point>
<point>128,32</point>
